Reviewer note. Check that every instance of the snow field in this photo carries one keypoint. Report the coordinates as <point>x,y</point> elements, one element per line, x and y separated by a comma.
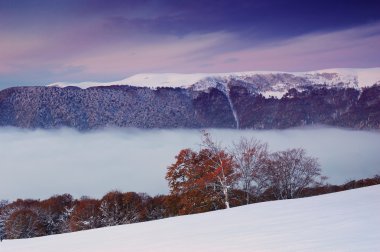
<point>345,221</point>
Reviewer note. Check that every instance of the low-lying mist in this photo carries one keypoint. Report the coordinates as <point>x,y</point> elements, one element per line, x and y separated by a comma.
<point>41,163</point>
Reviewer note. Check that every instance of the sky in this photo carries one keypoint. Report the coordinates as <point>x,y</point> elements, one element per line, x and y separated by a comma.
<point>45,41</point>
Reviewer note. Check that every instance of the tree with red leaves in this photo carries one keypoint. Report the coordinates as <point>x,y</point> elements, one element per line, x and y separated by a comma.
<point>202,179</point>
<point>24,223</point>
<point>85,215</point>
<point>223,173</point>
<point>118,208</point>
<point>57,211</point>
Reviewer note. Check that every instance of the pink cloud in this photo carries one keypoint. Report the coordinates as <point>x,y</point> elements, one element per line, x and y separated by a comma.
<point>357,47</point>
<point>163,54</point>
<point>82,52</point>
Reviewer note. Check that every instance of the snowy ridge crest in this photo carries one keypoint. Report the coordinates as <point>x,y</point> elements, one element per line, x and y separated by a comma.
<point>268,83</point>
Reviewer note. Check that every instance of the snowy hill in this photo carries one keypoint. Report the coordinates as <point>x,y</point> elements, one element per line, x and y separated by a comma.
<point>345,221</point>
<point>277,83</point>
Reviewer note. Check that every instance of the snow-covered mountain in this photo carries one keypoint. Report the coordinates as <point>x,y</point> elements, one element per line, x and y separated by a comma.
<point>268,83</point>
<point>256,100</point>
<point>344,221</point>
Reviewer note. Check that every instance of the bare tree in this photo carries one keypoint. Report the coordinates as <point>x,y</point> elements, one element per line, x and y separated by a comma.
<point>289,172</point>
<point>250,156</point>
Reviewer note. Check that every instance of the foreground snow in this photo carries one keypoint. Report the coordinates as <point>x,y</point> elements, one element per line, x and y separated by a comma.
<point>345,221</point>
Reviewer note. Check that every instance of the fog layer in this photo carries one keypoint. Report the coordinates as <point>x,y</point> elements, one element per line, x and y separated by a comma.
<point>41,163</point>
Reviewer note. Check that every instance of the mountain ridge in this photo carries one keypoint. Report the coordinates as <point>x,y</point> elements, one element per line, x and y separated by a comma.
<point>269,101</point>
<point>366,76</point>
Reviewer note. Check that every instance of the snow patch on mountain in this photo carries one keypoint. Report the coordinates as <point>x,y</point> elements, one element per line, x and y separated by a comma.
<point>275,94</point>
<point>151,80</point>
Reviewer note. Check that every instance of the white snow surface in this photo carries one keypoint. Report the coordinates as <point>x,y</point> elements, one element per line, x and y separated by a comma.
<point>344,221</point>
<point>352,77</point>
<point>268,83</point>
<point>276,94</point>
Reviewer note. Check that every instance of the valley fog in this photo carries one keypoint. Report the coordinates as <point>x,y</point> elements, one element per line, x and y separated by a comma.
<point>41,163</point>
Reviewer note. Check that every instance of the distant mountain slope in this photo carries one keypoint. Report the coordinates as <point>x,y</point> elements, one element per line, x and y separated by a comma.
<point>260,100</point>
<point>344,221</point>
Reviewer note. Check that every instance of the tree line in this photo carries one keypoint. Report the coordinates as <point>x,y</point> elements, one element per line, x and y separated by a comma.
<point>217,177</point>
<point>63,213</point>
<point>211,178</point>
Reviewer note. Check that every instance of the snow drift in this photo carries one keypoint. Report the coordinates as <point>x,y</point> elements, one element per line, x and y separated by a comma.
<point>345,221</point>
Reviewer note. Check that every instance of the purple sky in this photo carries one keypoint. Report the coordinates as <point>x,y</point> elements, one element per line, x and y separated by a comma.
<point>76,40</point>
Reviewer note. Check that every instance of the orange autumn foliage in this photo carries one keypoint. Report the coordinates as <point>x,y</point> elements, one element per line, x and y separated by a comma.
<point>195,178</point>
